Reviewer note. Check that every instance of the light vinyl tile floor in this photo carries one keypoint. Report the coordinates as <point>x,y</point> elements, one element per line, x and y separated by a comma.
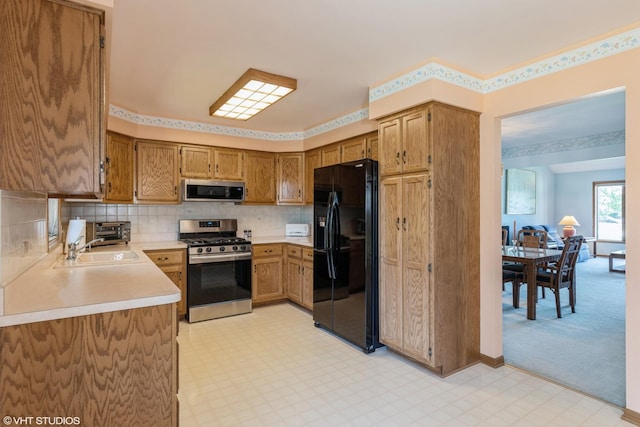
<point>273,367</point>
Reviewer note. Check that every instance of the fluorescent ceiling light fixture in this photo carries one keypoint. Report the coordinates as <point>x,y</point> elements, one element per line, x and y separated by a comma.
<point>254,91</point>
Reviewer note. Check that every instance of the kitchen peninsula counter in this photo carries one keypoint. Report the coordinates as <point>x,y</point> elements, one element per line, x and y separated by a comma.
<point>302,241</point>
<point>46,293</point>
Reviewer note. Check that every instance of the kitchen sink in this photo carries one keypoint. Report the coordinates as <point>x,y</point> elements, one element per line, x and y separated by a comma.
<point>88,259</point>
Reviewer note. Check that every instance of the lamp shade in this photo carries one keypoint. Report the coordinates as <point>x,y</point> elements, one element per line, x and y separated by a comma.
<point>569,221</point>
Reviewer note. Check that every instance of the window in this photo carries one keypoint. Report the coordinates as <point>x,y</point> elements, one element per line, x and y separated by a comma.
<point>608,211</point>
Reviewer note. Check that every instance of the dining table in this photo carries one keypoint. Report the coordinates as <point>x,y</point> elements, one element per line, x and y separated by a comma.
<point>531,259</point>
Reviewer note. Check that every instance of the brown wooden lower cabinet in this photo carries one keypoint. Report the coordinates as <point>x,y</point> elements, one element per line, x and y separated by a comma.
<point>108,369</point>
<point>173,263</point>
<point>267,280</point>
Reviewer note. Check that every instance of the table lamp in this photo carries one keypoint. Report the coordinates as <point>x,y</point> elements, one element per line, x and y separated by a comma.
<point>568,222</point>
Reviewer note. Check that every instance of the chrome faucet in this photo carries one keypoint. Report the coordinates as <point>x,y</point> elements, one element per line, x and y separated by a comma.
<point>72,254</point>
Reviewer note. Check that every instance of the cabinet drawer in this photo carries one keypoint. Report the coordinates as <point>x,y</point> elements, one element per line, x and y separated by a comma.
<point>161,258</point>
<point>307,254</point>
<point>294,251</point>
<point>267,250</point>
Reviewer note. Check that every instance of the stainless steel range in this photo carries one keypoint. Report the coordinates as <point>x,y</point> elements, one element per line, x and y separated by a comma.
<point>218,270</point>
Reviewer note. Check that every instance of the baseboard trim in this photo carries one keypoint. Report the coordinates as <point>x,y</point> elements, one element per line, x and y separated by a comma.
<point>494,362</point>
<point>631,416</point>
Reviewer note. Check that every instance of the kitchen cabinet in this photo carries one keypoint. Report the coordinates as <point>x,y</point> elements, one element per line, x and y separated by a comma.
<point>52,97</point>
<point>260,173</point>
<point>330,154</point>
<point>404,144</point>
<point>229,164</point>
<point>353,149</point>
<point>157,172</point>
<point>173,262</point>
<point>290,178</point>
<point>312,160</point>
<point>267,281</point>
<point>114,368</point>
<point>307,278</point>
<point>372,146</point>
<point>118,169</point>
<point>294,273</point>
<point>195,162</point>
<point>429,247</point>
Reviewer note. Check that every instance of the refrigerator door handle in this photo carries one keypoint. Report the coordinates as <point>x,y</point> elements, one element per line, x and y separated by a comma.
<point>328,241</point>
<point>336,239</point>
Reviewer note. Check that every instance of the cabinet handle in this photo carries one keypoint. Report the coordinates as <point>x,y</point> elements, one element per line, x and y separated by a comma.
<point>246,191</point>
<point>109,187</point>
<point>404,156</point>
<point>175,190</point>
<point>398,158</point>
<point>404,224</point>
<point>299,193</point>
<point>363,153</point>
<point>180,274</point>
<point>368,152</point>
<point>209,165</point>
<point>398,223</point>
<point>216,168</point>
<point>254,269</point>
<point>163,258</point>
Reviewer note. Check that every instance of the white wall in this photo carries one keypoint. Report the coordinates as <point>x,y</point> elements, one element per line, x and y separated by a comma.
<point>160,222</point>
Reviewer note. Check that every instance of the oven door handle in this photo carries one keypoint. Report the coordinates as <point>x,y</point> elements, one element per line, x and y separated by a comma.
<point>208,259</point>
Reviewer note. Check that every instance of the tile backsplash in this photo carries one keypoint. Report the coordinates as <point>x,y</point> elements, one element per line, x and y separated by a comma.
<point>23,228</point>
<point>160,222</point>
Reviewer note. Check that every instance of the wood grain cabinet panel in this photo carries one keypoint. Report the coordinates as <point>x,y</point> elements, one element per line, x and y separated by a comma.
<point>312,160</point>
<point>429,236</point>
<point>229,164</point>
<point>115,368</point>
<point>330,154</point>
<point>118,169</point>
<point>195,162</point>
<point>294,279</point>
<point>173,263</point>
<point>290,178</point>
<point>372,146</point>
<point>157,172</point>
<point>260,173</point>
<point>51,97</point>
<point>353,149</point>
<point>267,280</point>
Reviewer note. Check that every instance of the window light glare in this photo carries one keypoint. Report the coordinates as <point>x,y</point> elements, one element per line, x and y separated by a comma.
<point>253,92</point>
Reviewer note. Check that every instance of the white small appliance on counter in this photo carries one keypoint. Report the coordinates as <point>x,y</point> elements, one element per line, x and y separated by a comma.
<point>297,230</point>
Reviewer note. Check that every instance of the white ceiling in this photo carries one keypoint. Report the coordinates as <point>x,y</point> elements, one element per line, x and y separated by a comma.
<point>174,58</point>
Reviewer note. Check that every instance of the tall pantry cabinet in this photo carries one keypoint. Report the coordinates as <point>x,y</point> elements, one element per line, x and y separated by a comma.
<point>429,236</point>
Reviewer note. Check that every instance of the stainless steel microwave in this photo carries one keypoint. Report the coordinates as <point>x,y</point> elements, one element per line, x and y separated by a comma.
<point>204,190</point>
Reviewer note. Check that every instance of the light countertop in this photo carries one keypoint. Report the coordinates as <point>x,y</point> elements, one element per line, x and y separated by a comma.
<point>302,241</point>
<point>47,293</point>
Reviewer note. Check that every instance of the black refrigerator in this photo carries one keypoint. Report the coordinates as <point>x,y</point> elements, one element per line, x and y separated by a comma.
<point>345,258</point>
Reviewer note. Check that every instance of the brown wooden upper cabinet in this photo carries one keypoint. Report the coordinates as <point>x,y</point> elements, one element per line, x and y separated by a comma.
<point>312,160</point>
<point>229,164</point>
<point>118,169</point>
<point>404,142</point>
<point>157,176</point>
<point>53,60</point>
<point>372,146</point>
<point>353,149</point>
<point>260,177</point>
<point>195,162</point>
<point>290,178</point>
<point>330,154</point>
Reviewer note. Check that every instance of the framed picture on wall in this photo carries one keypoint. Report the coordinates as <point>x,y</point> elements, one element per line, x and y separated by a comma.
<point>521,192</point>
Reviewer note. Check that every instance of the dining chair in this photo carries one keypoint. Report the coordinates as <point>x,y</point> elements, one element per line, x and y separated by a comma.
<point>530,239</point>
<point>562,274</point>
<point>533,238</point>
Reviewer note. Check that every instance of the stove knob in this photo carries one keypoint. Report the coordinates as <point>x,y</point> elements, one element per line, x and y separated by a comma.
<point>208,249</point>
<point>222,248</point>
<point>235,248</point>
<point>199,250</point>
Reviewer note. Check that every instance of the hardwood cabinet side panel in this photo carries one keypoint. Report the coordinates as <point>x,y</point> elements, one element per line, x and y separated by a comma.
<point>50,97</point>
<point>390,263</point>
<point>129,367</point>
<point>312,160</point>
<point>294,280</point>
<point>41,369</point>
<point>456,267</point>
<point>307,284</point>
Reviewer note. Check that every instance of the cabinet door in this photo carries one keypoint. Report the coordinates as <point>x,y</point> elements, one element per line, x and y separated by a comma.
<point>414,142</point>
<point>330,155</point>
<point>390,134</point>
<point>307,283</point>
<point>266,281</point>
<point>173,264</point>
<point>157,172</point>
<point>312,160</point>
<point>51,97</point>
<point>391,262</point>
<point>294,280</point>
<point>229,164</point>
<point>353,149</point>
<point>195,162</point>
<point>372,147</point>
<point>119,169</point>
<point>290,178</point>
<point>415,258</point>
<point>176,274</point>
<point>260,173</point>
